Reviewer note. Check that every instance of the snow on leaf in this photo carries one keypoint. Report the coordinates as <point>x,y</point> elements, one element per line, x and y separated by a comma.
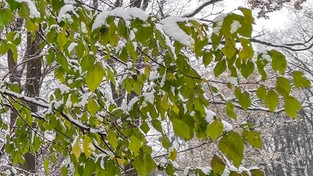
<point>76,147</point>
<point>171,28</point>
<point>33,12</point>
<point>234,26</point>
<point>64,12</point>
<point>100,20</point>
<point>125,14</point>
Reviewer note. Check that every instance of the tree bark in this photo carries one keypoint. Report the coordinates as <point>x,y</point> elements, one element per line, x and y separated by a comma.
<point>32,87</point>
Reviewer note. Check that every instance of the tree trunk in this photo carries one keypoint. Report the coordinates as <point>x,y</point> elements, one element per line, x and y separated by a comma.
<point>32,87</point>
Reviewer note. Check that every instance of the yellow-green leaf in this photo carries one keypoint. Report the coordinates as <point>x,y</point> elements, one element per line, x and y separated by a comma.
<point>232,146</point>
<point>292,106</point>
<point>219,68</point>
<point>279,62</point>
<point>182,129</point>
<point>283,86</point>
<point>271,100</point>
<point>134,145</point>
<point>300,81</point>
<point>244,100</point>
<point>87,143</point>
<point>94,76</point>
<point>112,138</point>
<point>215,129</point>
<point>76,147</point>
<point>164,102</point>
<point>230,110</point>
<point>253,138</point>
<point>173,154</point>
<point>92,106</point>
<point>217,165</point>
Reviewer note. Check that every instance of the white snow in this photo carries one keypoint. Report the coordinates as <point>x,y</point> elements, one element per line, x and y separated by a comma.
<point>69,1</point>
<point>219,22</point>
<point>234,26</point>
<point>216,30</point>
<point>233,81</point>
<point>83,27</point>
<point>33,12</point>
<point>186,171</point>
<point>171,28</point>
<point>100,20</point>
<point>220,19</point>
<point>266,57</point>
<point>71,47</point>
<point>167,39</point>
<point>206,170</point>
<point>64,12</point>
<point>125,14</point>
<point>64,89</point>
<point>138,13</point>
<point>132,102</point>
<point>129,65</point>
<point>209,115</point>
<point>227,126</point>
<point>74,141</point>
<point>148,97</point>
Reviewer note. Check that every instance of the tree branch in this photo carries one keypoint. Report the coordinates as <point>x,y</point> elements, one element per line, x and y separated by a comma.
<point>199,8</point>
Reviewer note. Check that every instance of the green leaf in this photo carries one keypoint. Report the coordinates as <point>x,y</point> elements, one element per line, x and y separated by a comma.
<point>253,138</point>
<point>271,100</point>
<point>247,69</point>
<point>112,139</point>
<point>94,76</point>
<point>92,106</point>
<point>215,129</point>
<point>87,143</point>
<point>292,106</point>
<point>173,154</point>
<point>247,51</point>
<point>218,165</point>
<point>261,92</point>
<point>198,105</point>
<point>230,110</point>
<point>165,142</point>
<point>219,68</point>
<point>182,129</point>
<point>244,100</point>
<point>137,88</point>
<point>279,62</point>
<point>283,86</point>
<point>232,146</point>
<point>64,171</point>
<point>256,172</point>
<point>248,18</point>
<point>300,81</point>
<point>46,165</point>
<point>164,102</point>
<point>134,145</point>
<point>144,164</point>
<point>261,63</point>
<point>76,148</point>
<point>229,49</point>
<point>207,58</point>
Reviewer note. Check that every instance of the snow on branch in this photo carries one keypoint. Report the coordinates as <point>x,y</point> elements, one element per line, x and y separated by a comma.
<point>41,103</point>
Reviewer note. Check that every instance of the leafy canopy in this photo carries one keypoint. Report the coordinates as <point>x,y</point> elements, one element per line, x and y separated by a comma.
<point>125,54</point>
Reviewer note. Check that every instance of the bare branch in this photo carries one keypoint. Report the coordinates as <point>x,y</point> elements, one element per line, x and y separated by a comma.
<point>199,8</point>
